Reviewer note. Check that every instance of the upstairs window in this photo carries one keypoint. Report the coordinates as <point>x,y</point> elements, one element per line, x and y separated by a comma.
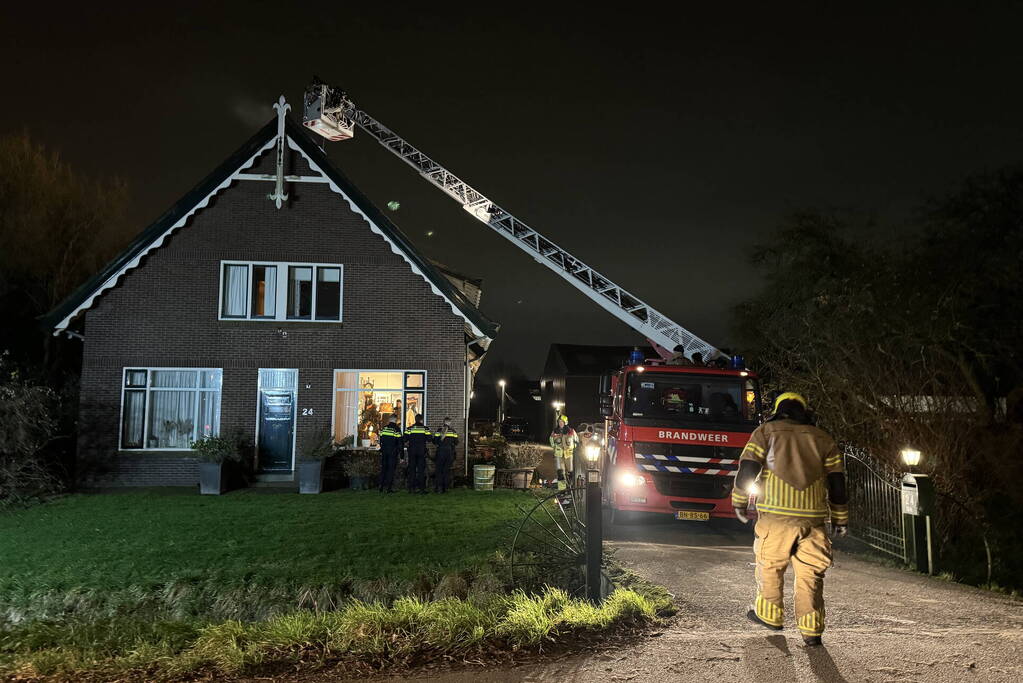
<point>281,291</point>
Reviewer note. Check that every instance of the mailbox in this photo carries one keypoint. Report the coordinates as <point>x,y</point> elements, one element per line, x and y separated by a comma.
<point>917,495</point>
<point>917,508</point>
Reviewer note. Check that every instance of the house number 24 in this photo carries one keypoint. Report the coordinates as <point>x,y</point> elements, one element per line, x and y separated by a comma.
<point>307,411</point>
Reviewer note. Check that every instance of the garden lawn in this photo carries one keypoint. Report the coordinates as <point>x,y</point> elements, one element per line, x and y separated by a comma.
<point>148,538</point>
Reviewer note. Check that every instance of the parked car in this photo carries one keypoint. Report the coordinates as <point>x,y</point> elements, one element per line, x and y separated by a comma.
<point>515,429</point>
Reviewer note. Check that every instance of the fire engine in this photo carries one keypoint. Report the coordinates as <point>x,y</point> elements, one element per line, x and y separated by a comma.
<point>672,433</point>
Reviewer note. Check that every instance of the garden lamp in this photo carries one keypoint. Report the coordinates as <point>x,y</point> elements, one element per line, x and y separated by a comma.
<point>911,457</point>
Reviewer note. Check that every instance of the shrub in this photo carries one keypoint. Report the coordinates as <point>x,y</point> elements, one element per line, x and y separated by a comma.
<point>216,449</point>
<point>520,456</point>
<point>29,423</point>
<point>319,447</point>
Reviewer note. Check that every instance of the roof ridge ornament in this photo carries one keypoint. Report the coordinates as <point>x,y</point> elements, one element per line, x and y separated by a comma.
<point>279,196</point>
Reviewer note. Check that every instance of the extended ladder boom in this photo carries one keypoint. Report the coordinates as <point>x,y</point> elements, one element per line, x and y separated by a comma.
<point>330,108</point>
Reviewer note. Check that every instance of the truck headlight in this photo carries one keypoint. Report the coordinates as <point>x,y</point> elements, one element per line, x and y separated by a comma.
<point>628,479</point>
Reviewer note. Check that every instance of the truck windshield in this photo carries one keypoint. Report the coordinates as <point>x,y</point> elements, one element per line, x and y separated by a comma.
<point>670,398</point>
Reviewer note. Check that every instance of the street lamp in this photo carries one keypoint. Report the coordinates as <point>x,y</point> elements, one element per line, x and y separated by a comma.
<point>500,415</point>
<point>594,520</point>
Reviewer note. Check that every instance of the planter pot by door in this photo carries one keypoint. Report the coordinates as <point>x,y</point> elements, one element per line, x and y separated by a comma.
<point>310,476</point>
<point>211,476</point>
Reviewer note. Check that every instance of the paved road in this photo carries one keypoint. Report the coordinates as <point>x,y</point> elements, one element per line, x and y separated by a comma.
<point>883,624</point>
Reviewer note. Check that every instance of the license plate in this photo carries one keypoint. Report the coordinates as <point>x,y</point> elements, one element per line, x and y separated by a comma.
<point>686,514</point>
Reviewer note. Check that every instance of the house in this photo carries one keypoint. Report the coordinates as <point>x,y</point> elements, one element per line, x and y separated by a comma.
<point>571,379</point>
<point>274,301</point>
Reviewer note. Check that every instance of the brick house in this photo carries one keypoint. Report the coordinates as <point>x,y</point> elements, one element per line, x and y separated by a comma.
<point>273,319</point>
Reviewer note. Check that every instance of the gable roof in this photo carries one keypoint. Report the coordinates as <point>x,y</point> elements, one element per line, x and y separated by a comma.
<point>477,325</point>
<point>583,360</point>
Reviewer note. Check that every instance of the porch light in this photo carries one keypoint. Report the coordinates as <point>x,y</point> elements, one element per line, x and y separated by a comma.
<point>911,457</point>
<point>557,405</point>
<point>592,454</point>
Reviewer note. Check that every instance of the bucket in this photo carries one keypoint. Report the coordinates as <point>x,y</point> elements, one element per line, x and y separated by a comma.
<point>483,477</point>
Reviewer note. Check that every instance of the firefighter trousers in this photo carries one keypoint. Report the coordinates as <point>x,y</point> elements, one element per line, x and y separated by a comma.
<point>804,543</point>
<point>563,464</point>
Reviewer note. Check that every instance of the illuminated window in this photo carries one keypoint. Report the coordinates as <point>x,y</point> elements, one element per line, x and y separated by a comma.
<point>365,401</point>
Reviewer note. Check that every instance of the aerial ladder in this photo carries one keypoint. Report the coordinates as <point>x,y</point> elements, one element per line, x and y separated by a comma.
<point>329,112</point>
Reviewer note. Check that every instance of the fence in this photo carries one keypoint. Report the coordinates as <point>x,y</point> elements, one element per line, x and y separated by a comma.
<point>875,504</point>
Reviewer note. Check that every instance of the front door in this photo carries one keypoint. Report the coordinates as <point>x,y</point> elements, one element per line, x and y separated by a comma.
<point>276,422</point>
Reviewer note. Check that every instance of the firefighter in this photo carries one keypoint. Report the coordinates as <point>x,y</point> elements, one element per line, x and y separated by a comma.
<point>447,441</point>
<point>801,481</point>
<point>564,440</point>
<point>390,449</point>
<point>679,356</point>
<point>416,437</point>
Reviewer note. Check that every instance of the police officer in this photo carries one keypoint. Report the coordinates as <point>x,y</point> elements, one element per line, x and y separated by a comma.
<point>416,437</point>
<point>447,441</point>
<point>390,449</point>
<point>801,483</point>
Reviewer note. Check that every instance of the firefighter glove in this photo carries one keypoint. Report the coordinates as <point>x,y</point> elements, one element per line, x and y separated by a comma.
<point>741,515</point>
<point>841,530</point>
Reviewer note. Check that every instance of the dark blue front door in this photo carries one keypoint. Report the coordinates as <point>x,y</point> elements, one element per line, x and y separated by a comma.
<point>276,429</point>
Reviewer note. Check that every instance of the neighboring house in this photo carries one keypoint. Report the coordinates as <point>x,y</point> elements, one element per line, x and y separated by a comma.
<point>273,319</point>
<point>571,378</point>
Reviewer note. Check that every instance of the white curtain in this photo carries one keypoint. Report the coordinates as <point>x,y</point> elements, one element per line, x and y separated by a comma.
<point>171,419</point>
<point>133,419</point>
<point>235,286</point>
<point>270,292</point>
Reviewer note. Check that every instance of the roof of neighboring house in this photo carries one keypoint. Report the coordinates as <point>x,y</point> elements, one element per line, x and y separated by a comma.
<point>582,360</point>
<point>298,139</point>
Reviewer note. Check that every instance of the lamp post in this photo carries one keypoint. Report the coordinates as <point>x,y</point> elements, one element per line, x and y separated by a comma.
<point>500,413</point>
<point>594,522</point>
<point>917,507</point>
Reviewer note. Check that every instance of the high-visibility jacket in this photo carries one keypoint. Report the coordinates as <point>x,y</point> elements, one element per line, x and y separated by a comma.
<point>795,461</point>
<point>416,437</point>
<point>564,440</point>
<point>390,439</point>
<point>446,440</point>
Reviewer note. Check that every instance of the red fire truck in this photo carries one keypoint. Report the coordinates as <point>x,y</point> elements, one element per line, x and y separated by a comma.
<point>674,435</point>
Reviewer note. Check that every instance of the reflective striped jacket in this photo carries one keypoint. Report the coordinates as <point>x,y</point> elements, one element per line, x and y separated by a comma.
<point>416,437</point>
<point>390,439</point>
<point>796,459</point>
<point>446,441</point>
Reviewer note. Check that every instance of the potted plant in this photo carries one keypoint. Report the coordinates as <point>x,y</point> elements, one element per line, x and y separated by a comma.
<point>310,464</point>
<point>213,452</point>
<point>361,467</point>
<point>518,462</point>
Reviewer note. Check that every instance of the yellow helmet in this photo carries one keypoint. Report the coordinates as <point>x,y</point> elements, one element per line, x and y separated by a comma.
<point>563,418</point>
<point>789,396</point>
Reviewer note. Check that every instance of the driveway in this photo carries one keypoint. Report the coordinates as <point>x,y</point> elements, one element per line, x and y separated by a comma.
<point>884,624</point>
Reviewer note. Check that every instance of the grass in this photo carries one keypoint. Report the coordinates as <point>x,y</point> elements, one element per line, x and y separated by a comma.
<point>164,584</point>
<point>364,634</point>
<point>147,539</point>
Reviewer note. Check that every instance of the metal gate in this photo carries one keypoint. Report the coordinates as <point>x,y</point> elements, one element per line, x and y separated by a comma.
<point>875,503</point>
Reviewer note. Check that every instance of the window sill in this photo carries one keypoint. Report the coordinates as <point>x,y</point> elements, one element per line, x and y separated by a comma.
<point>275,320</point>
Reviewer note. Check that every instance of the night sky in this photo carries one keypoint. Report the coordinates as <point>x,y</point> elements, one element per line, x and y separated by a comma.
<point>654,147</point>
